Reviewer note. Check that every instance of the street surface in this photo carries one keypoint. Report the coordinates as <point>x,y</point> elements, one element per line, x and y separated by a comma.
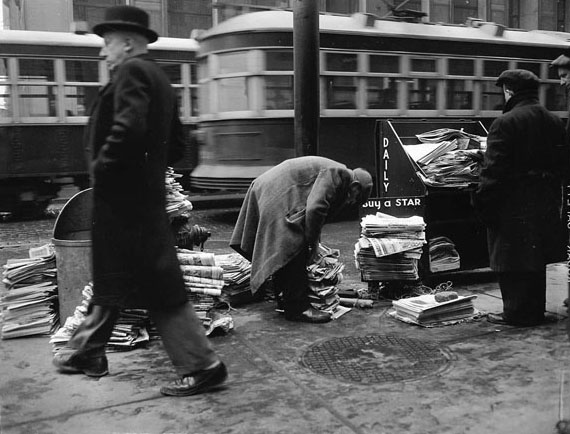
<point>485,378</point>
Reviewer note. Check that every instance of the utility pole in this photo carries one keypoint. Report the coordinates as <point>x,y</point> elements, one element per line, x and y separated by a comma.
<point>306,76</point>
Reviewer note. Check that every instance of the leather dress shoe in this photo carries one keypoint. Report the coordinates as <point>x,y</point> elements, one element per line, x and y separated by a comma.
<point>199,382</point>
<point>68,362</point>
<point>310,315</point>
<point>497,318</point>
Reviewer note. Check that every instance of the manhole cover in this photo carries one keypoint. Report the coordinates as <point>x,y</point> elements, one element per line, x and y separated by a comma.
<point>375,358</point>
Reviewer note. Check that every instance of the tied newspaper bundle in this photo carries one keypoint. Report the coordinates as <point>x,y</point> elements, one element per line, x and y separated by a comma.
<point>325,273</point>
<point>177,203</point>
<point>130,331</point>
<point>389,247</point>
<point>237,274</point>
<point>447,157</point>
<point>29,303</point>
<point>431,310</point>
<point>204,281</point>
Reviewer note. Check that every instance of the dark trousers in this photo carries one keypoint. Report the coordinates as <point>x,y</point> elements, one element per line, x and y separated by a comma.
<point>293,282</point>
<point>524,296</point>
<point>181,330</point>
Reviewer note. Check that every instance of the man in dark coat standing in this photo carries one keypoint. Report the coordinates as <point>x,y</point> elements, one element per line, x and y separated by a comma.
<point>520,198</point>
<point>133,133</point>
<point>280,222</point>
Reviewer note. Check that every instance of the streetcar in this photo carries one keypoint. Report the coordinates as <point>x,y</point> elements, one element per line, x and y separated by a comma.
<point>47,83</point>
<point>370,69</point>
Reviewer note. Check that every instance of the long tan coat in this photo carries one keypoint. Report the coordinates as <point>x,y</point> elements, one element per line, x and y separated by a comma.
<point>284,211</point>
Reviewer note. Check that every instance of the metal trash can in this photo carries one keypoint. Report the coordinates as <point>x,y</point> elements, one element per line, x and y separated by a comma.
<point>72,243</point>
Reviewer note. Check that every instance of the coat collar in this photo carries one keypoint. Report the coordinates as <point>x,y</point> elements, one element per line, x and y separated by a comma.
<point>523,97</point>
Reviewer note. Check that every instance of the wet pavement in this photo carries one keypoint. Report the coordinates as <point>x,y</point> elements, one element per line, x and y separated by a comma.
<point>473,377</point>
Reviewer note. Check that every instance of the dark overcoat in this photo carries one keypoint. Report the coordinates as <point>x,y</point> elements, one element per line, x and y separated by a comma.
<point>284,211</point>
<point>133,133</point>
<point>520,191</point>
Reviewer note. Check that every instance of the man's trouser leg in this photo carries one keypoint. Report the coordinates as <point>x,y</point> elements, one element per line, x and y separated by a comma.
<point>292,280</point>
<point>524,296</point>
<point>184,338</point>
<point>95,331</point>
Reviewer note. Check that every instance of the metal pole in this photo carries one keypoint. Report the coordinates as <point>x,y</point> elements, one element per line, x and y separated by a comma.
<point>306,76</point>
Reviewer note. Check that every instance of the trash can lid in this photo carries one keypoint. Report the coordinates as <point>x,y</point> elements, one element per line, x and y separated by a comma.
<point>75,219</point>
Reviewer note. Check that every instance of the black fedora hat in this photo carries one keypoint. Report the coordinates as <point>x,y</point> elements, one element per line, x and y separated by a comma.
<point>127,18</point>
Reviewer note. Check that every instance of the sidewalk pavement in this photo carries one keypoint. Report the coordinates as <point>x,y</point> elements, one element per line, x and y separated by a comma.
<point>474,377</point>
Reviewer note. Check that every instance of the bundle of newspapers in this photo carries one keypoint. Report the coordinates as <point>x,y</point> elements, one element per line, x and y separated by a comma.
<point>443,255</point>
<point>237,276</point>
<point>28,305</point>
<point>325,273</point>
<point>389,248</point>
<point>434,309</point>
<point>130,330</point>
<point>177,203</point>
<point>204,281</point>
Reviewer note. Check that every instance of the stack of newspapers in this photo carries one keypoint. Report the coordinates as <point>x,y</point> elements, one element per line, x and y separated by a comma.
<point>130,330</point>
<point>389,248</point>
<point>28,305</point>
<point>237,275</point>
<point>325,273</point>
<point>177,203</point>
<point>426,310</point>
<point>443,255</point>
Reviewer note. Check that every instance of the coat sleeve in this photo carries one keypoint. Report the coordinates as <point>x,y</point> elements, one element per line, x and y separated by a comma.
<point>129,126</point>
<point>327,189</point>
<point>496,171</point>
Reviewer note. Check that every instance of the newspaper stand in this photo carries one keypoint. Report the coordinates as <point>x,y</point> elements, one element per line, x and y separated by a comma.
<point>401,192</point>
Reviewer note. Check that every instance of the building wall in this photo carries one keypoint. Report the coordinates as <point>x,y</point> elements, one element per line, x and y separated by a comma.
<point>177,18</point>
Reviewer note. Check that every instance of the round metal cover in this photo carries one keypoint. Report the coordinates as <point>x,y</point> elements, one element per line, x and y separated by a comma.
<point>375,358</point>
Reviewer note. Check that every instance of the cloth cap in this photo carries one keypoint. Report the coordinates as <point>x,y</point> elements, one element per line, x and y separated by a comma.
<point>365,180</point>
<point>518,79</point>
<point>126,18</point>
<point>562,61</point>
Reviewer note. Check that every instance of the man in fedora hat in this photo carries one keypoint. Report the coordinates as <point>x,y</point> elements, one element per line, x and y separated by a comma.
<point>520,197</point>
<point>133,133</point>
<point>281,219</point>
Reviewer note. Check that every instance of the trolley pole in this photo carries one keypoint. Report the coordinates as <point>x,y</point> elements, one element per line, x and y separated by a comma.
<point>306,76</point>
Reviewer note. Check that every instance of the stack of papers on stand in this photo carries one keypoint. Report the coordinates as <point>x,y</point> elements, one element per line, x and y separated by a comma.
<point>442,255</point>
<point>425,310</point>
<point>389,247</point>
<point>324,274</point>
<point>425,153</point>
<point>454,169</point>
<point>28,305</point>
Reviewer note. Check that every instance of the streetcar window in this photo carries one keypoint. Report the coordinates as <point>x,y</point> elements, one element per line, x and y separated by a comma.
<point>232,94</point>
<point>82,71</point>
<point>382,93</point>
<point>172,71</point>
<point>459,94</point>
<point>279,92</point>
<point>279,60</point>
<point>193,74</point>
<point>36,70</point>
<point>555,97</point>
<point>423,94</point>
<point>341,62</point>
<point>423,65</point>
<point>492,96</point>
<point>233,62</point>
<point>5,102</point>
<point>387,64</point>
<point>78,99</point>
<point>37,100</point>
<point>341,92</point>
<point>553,74</point>
<point>493,68</point>
<point>194,102</point>
<point>461,67</point>
<point>203,72</point>
<point>530,66</point>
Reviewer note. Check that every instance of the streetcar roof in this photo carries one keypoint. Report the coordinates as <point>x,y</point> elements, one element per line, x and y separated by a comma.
<point>280,20</point>
<point>32,37</point>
